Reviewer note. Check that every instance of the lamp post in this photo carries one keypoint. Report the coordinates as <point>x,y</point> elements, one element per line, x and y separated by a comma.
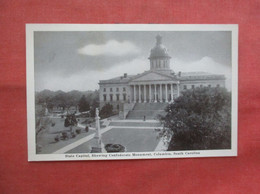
<point>98,146</point>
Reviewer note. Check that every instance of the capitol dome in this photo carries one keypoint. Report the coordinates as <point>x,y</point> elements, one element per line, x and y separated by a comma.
<point>159,50</point>
<point>159,57</point>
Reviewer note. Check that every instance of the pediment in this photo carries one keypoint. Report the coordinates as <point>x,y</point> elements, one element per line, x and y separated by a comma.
<point>152,76</point>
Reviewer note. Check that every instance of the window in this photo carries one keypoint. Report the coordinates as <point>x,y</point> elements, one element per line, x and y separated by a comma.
<point>185,87</point>
<point>201,86</point>
<point>192,86</point>
<point>117,106</point>
<point>117,97</point>
<point>117,89</point>
<point>104,90</point>
<point>124,89</point>
<point>124,96</point>
<point>111,97</point>
<point>218,85</point>
<point>209,86</point>
<point>111,89</point>
<point>105,97</point>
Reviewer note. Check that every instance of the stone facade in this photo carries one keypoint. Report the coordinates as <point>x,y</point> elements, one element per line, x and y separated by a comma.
<point>159,84</point>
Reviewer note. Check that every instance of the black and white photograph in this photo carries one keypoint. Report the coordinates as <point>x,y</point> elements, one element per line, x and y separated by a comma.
<point>131,91</point>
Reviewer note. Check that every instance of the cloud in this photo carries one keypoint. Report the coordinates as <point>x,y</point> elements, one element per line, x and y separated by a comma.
<point>205,64</point>
<point>88,80</point>
<point>131,67</point>
<point>110,48</point>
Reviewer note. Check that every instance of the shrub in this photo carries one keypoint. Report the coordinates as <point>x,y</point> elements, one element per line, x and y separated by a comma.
<point>57,138</point>
<point>64,135</point>
<point>114,148</point>
<point>78,131</point>
<point>72,134</point>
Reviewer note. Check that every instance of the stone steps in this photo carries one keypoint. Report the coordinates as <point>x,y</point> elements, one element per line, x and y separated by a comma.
<point>139,114</point>
<point>136,124</point>
<point>150,106</point>
<point>149,110</point>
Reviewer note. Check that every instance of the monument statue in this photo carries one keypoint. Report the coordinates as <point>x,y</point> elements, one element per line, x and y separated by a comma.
<point>98,145</point>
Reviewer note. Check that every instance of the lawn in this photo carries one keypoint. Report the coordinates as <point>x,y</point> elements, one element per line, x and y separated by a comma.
<point>46,138</point>
<point>134,139</point>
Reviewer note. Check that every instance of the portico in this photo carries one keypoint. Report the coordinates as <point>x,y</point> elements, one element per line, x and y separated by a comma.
<point>154,92</point>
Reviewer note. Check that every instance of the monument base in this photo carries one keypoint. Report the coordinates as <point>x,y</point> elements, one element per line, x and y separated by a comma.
<point>96,150</point>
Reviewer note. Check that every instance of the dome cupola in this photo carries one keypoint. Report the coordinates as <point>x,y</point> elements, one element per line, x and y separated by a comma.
<point>159,57</point>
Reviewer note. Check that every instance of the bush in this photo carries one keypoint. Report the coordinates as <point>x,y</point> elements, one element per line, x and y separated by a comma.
<point>57,138</point>
<point>64,135</point>
<point>86,128</point>
<point>78,131</point>
<point>72,134</point>
<point>114,148</point>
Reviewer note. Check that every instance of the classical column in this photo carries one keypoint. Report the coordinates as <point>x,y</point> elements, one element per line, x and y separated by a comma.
<point>160,92</point>
<point>155,93</point>
<point>150,92</point>
<point>139,93</point>
<point>171,93</point>
<point>144,93</point>
<point>166,94</point>
<point>134,95</point>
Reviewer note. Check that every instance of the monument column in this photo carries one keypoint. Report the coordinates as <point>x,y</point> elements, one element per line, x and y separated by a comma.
<point>166,94</point>
<point>144,93</point>
<point>139,93</point>
<point>150,92</point>
<point>171,93</point>
<point>160,92</point>
<point>155,93</point>
<point>134,95</point>
<point>98,146</point>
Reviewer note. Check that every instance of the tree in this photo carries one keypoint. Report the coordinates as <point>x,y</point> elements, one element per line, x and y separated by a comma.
<point>94,105</point>
<point>200,119</point>
<point>106,111</point>
<point>83,104</point>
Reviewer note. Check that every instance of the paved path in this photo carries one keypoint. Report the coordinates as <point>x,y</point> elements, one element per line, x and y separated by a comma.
<point>134,121</point>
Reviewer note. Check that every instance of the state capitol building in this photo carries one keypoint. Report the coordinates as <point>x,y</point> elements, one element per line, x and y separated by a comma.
<point>159,85</point>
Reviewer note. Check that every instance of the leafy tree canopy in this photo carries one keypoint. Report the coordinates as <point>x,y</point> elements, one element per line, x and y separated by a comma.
<point>65,99</point>
<point>83,104</point>
<point>200,119</point>
<point>106,111</point>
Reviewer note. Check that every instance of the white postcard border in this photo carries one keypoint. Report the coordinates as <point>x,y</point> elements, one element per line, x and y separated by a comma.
<point>31,28</point>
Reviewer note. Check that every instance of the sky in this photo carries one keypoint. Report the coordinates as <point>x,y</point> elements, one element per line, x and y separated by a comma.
<point>78,60</point>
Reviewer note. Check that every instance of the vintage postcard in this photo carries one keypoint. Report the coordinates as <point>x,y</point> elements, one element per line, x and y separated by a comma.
<point>131,91</point>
